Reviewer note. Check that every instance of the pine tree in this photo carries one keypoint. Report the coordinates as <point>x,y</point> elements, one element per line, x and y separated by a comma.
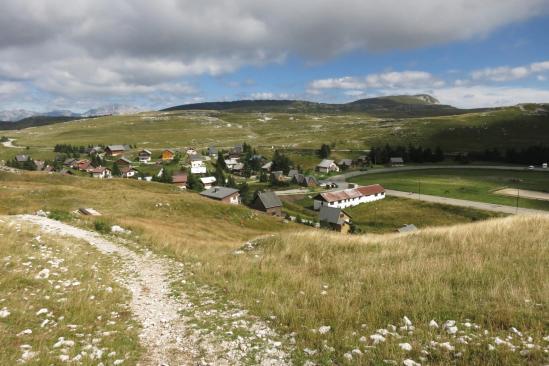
<point>116,171</point>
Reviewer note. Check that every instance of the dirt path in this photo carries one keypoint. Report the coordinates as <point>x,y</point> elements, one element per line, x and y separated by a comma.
<point>168,337</point>
<point>524,193</point>
<point>465,203</point>
<point>10,144</point>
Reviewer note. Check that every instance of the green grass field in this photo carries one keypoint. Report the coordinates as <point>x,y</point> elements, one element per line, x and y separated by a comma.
<point>391,213</point>
<point>468,184</point>
<point>357,131</point>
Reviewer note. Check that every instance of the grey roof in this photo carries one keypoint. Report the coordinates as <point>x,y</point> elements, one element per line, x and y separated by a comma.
<point>325,163</point>
<point>238,166</point>
<point>21,158</point>
<point>397,159</point>
<point>197,157</point>
<point>293,172</point>
<point>145,152</point>
<point>116,147</point>
<point>212,150</point>
<point>69,161</point>
<point>331,215</point>
<point>219,192</point>
<point>269,199</point>
<point>407,228</point>
<point>125,160</point>
<point>347,162</point>
<point>267,165</point>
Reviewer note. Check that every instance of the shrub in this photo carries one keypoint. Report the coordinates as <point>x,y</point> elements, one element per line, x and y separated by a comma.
<point>102,226</point>
<point>60,215</point>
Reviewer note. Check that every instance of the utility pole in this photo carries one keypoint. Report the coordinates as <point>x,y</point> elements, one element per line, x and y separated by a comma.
<point>518,195</point>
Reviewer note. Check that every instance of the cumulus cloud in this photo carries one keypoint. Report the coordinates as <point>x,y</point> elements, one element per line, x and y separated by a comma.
<point>505,73</point>
<point>268,96</point>
<point>83,48</point>
<point>388,80</point>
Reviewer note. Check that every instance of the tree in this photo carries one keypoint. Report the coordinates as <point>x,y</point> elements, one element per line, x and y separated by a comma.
<point>166,176</point>
<point>116,171</point>
<point>263,177</point>
<point>221,162</point>
<point>219,176</point>
<point>230,182</point>
<point>281,162</point>
<point>324,151</point>
<point>194,183</point>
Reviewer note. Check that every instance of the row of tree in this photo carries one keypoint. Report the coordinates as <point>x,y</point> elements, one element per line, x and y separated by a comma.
<point>535,155</point>
<point>413,154</point>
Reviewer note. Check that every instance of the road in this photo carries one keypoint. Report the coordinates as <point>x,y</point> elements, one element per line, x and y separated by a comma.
<point>464,203</point>
<point>348,175</point>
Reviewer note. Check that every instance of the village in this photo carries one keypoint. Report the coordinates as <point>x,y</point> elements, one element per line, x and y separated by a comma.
<point>236,176</point>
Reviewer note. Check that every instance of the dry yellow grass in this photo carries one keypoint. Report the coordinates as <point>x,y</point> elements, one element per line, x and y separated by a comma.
<point>491,274</point>
<point>53,287</point>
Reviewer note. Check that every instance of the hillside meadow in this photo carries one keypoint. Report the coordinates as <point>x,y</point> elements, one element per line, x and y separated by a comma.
<point>336,294</point>
<point>500,128</point>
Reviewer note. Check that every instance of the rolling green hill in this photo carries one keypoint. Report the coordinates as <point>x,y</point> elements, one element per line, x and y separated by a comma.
<point>390,106</point>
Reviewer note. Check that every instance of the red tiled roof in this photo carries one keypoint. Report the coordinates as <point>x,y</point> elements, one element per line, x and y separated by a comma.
<point>351,193</point>
<point>181,178</point>
<point>371,189</point>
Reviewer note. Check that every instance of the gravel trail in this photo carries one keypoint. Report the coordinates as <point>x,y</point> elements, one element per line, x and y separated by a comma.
<point>168,337</point>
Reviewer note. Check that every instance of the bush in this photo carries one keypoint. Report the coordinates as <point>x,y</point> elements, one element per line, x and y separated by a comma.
<point>102,226</point>
<point>60,215</point>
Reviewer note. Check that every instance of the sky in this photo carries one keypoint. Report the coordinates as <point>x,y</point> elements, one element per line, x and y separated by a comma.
<point>81,54</point>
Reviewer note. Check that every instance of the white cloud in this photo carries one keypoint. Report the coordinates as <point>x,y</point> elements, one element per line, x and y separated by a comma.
<point>505,73</point>
<point>394,79</point>
<point>88,48</point>
<point>269,96</point>
<point>490,96</point>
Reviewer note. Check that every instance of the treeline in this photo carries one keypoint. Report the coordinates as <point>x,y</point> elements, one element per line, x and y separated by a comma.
<point>536,155</point>
<point>24,165</point>
<point>71,149</point>
<point>413,154</point>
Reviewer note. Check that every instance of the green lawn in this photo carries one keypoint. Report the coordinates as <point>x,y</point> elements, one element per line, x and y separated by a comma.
<point>389,214</point>
<point>474,185</point>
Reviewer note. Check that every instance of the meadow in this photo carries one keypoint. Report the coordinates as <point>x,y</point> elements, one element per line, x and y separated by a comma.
<point>391,213</point>
<point>475,185</point>
<point>336,295</point>
<point>501,128</point>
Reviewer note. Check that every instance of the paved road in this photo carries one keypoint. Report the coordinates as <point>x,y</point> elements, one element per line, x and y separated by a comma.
<point>465,203</point>
<point>346,176</point>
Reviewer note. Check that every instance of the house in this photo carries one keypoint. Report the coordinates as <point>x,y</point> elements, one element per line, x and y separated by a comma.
<point>396,161</point>
<point>144,156</point>
<point>101,172</point>
<point>268,202</point>
<point>407,228</point>
<point>277,175</point>
<point>349,197</point>
<point>212,151</point>
<point>180,180</point>
<point>208,182</point>
<point>123,162</point>
<point>128,172</point>
<point>115,150</point>
<point>22,158</point>
<point>95,150</point>
<point>327,166</point>
<point>335,218</point>
<point>223,194</point>
<point>82,165</point>
<point>168,155</point>
<point>362,159</point>
<point>267,167</point>
<point>191,151</point>
<point>306,181</point>
<point>345,163</point>
<point>69,162</point>
<point>238,168</point>
<point>292,173</point>
<point>237,150</point>
<point>40,164</point>
<point>197,164</point>
<point>328,184</point>
<point>230,163</point>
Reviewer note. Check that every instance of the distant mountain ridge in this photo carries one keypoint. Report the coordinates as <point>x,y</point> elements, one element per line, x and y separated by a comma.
<point>387,106</point>
<point>112,109</point>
